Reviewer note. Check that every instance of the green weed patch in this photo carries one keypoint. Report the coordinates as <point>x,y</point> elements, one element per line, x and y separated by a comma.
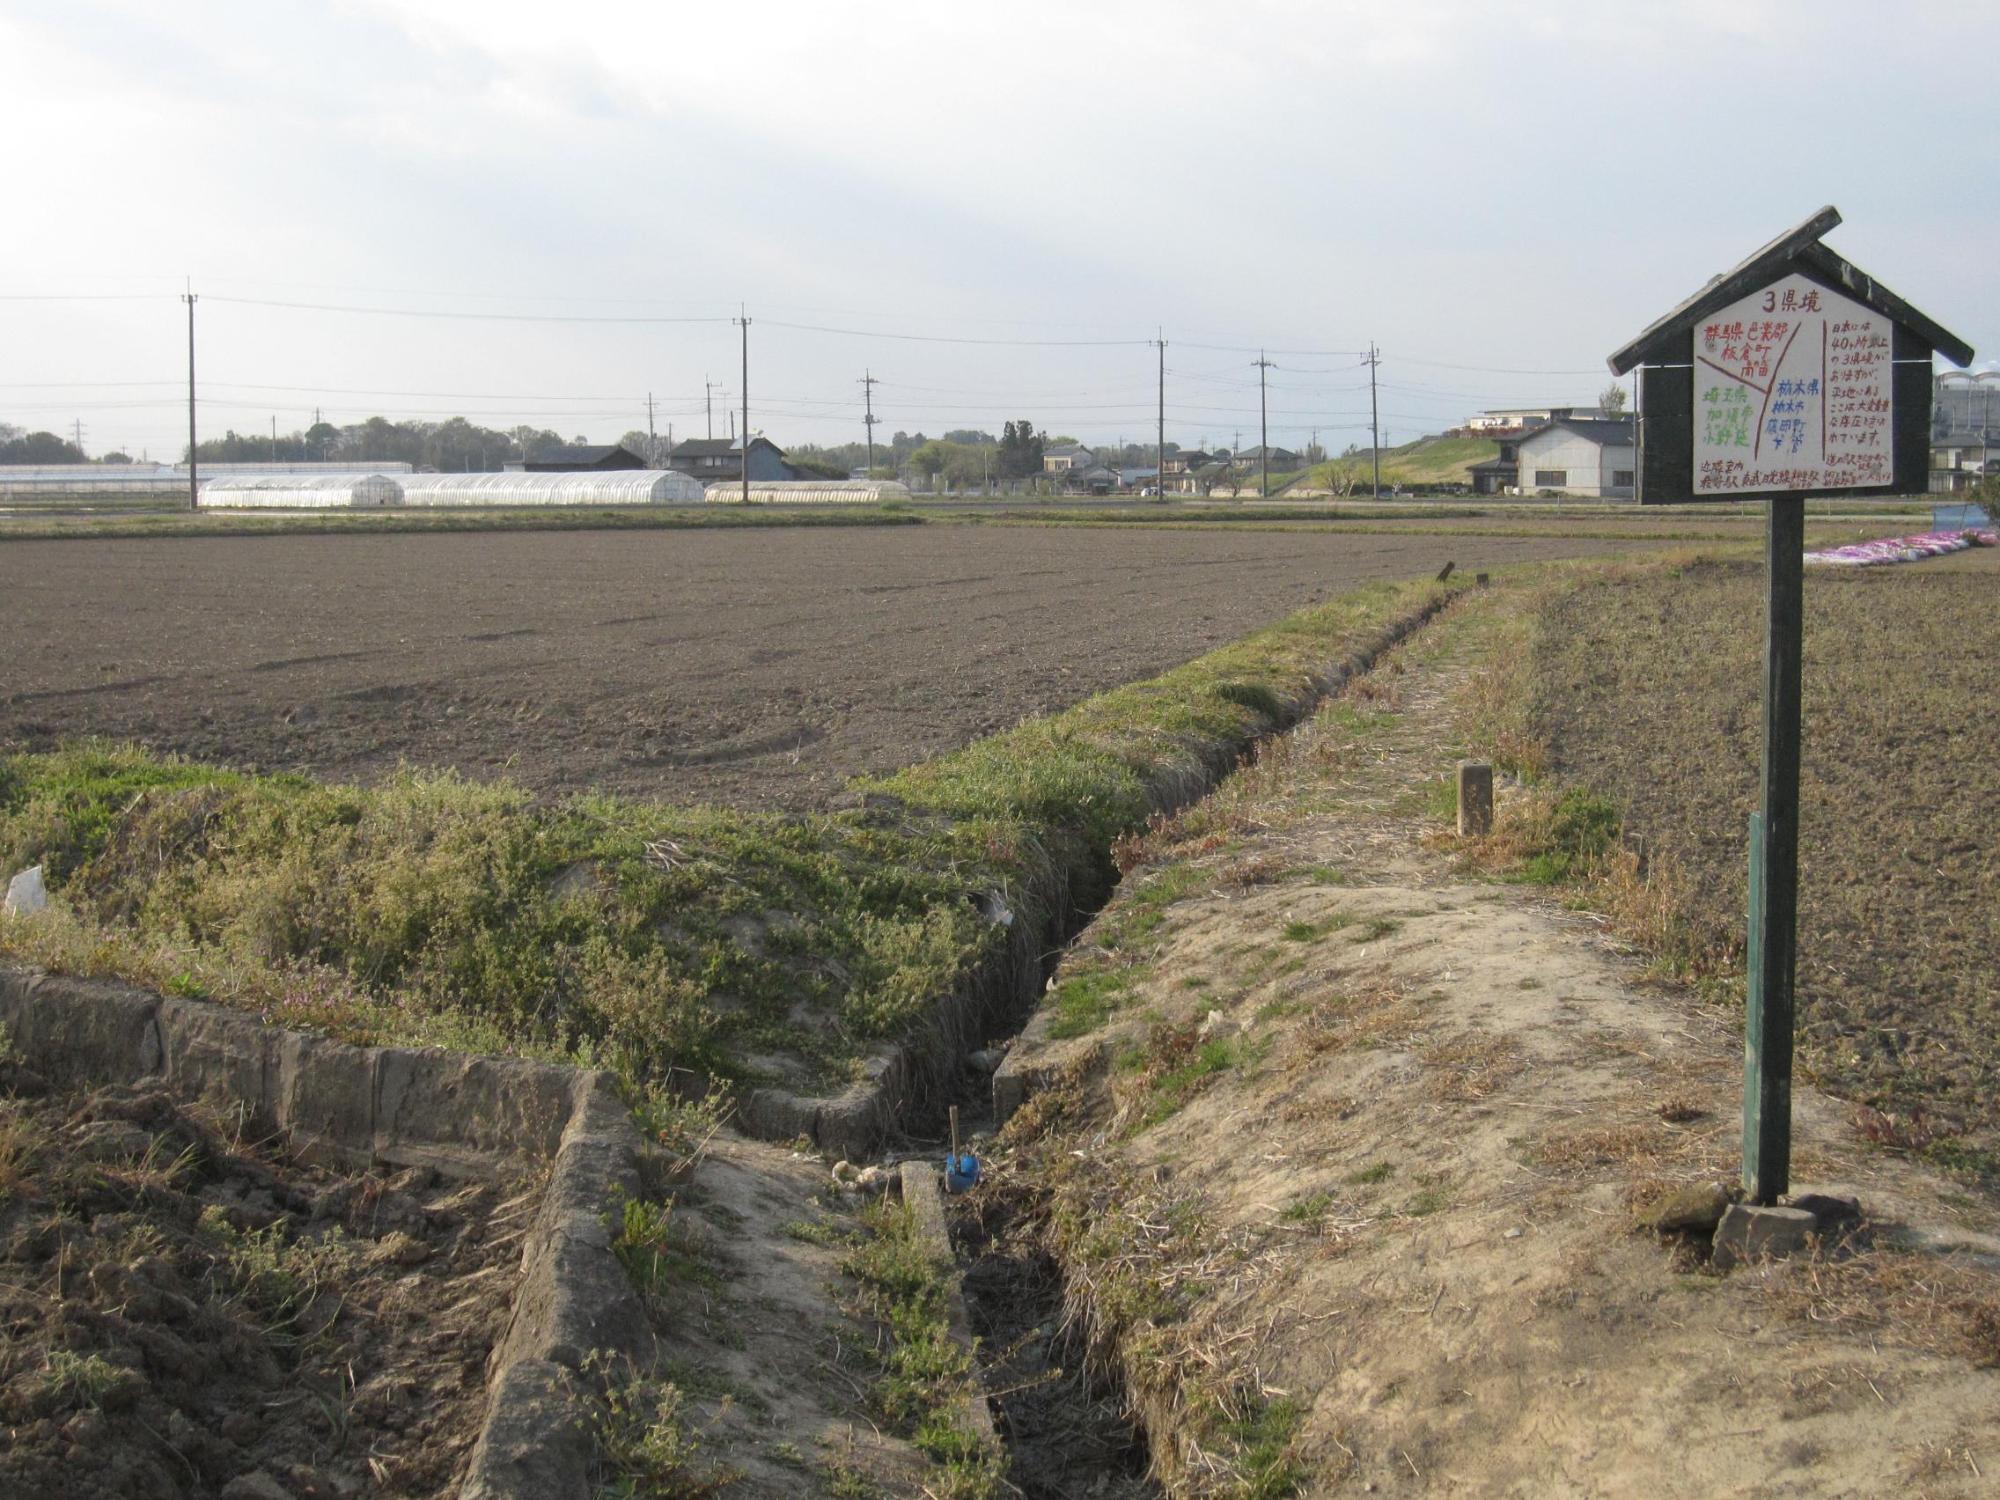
<point>667,943</point>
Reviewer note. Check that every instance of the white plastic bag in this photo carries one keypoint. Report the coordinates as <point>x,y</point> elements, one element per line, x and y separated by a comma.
<point>26,893</point>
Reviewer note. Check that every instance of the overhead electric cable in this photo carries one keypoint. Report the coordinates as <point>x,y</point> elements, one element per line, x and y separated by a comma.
<point>475,317</point>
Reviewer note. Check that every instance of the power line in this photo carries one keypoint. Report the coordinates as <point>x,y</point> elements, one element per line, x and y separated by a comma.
<point>475,317</point>
<point>934,338</point>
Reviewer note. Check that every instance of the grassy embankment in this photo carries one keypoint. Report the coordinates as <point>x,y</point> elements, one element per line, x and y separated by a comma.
<point>644,937</point>
<point>1635,692</point>
<point>1285,1056</point>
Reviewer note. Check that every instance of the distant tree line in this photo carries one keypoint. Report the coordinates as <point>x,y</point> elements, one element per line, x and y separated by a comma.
<point>18,447</point>
<point>452,446</point>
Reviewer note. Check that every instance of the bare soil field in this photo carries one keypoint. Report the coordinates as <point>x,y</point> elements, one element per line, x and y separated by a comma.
<point>751,667</point>
<point>1646,689</point>
<point>189,1313</point>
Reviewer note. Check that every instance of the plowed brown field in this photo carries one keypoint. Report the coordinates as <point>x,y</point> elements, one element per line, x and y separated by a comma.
<point>752,667</point>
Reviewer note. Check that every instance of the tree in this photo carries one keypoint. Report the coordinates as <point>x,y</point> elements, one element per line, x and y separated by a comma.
<point>1611,400</point>
<point>930,459</point>
<point>1021,448</point>
<point>17,447</point>
<point>115,457</point>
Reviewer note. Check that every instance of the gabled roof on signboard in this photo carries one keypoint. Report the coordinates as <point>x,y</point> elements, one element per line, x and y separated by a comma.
<point>1796,247</point>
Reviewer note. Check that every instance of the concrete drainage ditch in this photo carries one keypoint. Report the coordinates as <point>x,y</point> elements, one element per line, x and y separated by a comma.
<point>496,1120</point>
<point>914,1080</point>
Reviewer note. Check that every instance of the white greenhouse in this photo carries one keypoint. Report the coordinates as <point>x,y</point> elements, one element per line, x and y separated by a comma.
<point>588,487</point>
<point>809,492</point>
<point>302,492</point>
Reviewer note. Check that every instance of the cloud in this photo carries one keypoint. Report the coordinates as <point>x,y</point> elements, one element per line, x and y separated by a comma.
<point>1510,185</point>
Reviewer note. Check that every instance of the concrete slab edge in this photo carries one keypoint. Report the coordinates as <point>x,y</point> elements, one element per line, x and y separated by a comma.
<point>574,1303</point>
<point>923,1194</point>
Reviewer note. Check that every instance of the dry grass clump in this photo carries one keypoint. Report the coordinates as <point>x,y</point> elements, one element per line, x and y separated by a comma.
<point>1466,1069</point>
<point>1941,1305</point>
<point>1679,1107</point>
<point>1365,1018</point>
<point>1639,1146</point>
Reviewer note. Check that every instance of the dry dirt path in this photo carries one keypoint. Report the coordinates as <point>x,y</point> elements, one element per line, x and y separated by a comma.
<point>754,667</point>
<point>1347,1149</point>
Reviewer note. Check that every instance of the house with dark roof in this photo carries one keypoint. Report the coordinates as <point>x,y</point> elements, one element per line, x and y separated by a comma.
<point>1282,459</point>
<point>714,460</point>
<point>579,458</point>
<point>1594,457</point>
<point>1501,473</point>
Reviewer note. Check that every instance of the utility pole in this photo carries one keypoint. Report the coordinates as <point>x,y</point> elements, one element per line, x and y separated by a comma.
<point>1160,451</point>
<point>743,322</point>
<point>194,487</point>
<point>274,437</point>
<point>709,388</point>
<point>868,384</point>
<point>1263,429</point>
<point>1374,419</point>
<point>652,437</point>
<point>77,428</point>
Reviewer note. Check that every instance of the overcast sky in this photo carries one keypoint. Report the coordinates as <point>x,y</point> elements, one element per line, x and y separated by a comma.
<point>1495,193</point>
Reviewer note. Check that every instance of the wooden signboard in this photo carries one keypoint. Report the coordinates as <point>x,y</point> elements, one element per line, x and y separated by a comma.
<point>1796,374</point>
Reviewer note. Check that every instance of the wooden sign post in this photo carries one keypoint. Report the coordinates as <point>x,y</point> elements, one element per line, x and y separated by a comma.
<point>1796,374</point>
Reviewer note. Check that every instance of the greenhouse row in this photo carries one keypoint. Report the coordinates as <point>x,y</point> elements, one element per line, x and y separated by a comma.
<point>42,481</point>
<point>809,492</point>
<point>377,491</point>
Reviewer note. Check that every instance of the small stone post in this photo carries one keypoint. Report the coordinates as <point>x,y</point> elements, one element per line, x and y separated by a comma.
<point>1475,799</point>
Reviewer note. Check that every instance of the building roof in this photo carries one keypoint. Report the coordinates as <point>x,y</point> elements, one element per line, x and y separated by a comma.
<point>1258,452</point>
<point>1495,465</point>
<point>1068,450</point>
<point>1606,432</point>
<point>715,447</point>
<point>584,453</point>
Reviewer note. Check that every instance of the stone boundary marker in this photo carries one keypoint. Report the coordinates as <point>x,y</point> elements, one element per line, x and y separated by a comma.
<point>482,1118</point>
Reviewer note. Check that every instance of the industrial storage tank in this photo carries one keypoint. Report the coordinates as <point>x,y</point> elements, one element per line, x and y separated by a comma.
<point>348,491</point>
<point>809,491</point>
<point>584,487</point>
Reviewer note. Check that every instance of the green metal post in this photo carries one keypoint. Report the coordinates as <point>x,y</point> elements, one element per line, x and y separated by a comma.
<point>1774,872</point>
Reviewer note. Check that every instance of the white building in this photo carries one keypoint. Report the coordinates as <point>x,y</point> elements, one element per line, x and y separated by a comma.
<point>1515,418</point>
<point>1592,457</point>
